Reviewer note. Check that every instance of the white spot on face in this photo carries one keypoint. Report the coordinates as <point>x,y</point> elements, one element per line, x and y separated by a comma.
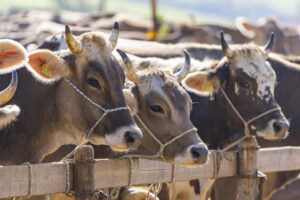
<point>269,133</point>
<point>8,114</point>
<point>257,68</point>
<point>151,84</point>
<point>185,158</point>
<point>236,88</point>
<point>116,140</point>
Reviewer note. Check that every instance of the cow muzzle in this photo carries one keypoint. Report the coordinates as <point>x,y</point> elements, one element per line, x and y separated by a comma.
<point>275,129</point>
<point>194,156</point>
<point>124,138</point>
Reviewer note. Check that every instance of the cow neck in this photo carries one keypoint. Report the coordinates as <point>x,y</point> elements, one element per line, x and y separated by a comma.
<point>21,142</point>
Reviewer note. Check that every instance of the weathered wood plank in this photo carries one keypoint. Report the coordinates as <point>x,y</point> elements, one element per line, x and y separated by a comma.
<point>46,178</point>
<point>50,178</point>
<point>278,159</point>
<point>116,172</point>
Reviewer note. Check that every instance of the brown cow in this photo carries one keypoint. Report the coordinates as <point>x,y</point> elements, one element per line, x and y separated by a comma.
<point>56,114</point>
<point>157,98</point>
<point>287,41</point>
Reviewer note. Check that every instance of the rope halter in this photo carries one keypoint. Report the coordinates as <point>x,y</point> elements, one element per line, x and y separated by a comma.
<point>105,112</point>
<point>246,123</point>
<point>160,153</point>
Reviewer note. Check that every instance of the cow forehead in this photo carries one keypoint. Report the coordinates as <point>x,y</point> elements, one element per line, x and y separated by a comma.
<point>254,65</point>
<point>95,46</point>
<point>166,86</point>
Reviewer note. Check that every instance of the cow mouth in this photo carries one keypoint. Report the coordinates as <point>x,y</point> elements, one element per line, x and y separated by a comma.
<point>119,148</point>
<point>275,130</point>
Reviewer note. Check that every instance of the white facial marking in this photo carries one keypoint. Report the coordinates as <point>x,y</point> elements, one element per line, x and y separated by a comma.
<point>152,84</point>
<point>269,133</point>
<point>8,114</point>
<point>184,157</point>
<point>117,139</point>
<point>257,68</point>
<point>236,88</point>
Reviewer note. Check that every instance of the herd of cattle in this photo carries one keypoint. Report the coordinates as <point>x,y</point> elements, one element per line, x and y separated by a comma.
<point>191,92</point>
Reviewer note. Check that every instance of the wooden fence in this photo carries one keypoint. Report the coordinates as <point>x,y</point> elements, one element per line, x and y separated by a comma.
<point>49,178</point>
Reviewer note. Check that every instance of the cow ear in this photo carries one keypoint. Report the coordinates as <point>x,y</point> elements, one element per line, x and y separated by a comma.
<point>46,66</point>
<point>201,82</point>
<point>12,56</point>
<point>131,101</point>
<point>246,28</point>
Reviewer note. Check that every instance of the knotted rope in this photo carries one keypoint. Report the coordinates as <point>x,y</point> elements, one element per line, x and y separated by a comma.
<point>160,154</point>
<point>246,123</point>
<point>105,112</point>
<point>246,132</point>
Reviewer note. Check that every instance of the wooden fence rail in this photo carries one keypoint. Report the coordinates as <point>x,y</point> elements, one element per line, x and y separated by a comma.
<point>49,178</point>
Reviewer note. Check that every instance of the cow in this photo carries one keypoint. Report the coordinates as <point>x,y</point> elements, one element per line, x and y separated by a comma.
<point>228,123</point>
<point>12,57</point>
<point>287,38</point>
<point>203,53</point>
<point>150,96</point>
<point>204,34</point>
<point>71,91</point>
<point>285,72</point>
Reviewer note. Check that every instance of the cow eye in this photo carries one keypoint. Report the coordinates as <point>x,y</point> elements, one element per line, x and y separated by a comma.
<point>94,83</point>
<point>157,109</point>
<point>244,84</point>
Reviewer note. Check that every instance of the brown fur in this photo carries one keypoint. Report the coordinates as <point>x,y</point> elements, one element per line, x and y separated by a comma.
<point>54,115</point>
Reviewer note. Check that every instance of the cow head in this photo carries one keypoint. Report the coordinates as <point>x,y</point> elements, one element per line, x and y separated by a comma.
<point>12,57</point>
<point>164,106</point>
<point>259,32</point>
<point>249,82</point>
<point>90,65</point>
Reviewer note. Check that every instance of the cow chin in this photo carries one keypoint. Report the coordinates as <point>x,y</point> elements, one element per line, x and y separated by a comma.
<point>102,141</point>
<point>97,140</point>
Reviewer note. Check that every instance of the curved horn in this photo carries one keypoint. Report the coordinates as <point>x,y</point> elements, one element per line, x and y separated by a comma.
<point>9,92</point>
<point>186,68</point>
<point>113,38</point>
<point>131,75</point>
<point>269,44</point>
<point>74,45</point>
<point>226,49</point>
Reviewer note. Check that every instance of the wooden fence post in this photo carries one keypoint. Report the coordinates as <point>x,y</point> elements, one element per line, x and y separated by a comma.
<point>248,184</point>
<point>83,173</point>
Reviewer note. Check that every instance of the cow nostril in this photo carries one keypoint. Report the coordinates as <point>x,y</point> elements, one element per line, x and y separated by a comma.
<point>277,127</point>
<point>195,154</point>
<point>199,154</point>
<point>132,138</point>
<point>129,137</point>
